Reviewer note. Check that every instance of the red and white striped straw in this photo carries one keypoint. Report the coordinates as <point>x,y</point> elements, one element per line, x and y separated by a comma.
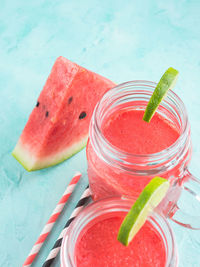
<point>85,198</point>
<point>54,216</point>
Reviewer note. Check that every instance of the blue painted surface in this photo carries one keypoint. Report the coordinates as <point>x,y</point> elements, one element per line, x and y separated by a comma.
<point>122,40</point>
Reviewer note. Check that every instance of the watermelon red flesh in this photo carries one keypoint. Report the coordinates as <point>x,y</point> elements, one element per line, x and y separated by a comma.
<point>58,126</point>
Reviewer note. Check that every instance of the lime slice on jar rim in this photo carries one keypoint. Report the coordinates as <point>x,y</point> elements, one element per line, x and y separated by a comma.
<point>150,197</point>
<point>167,81</point>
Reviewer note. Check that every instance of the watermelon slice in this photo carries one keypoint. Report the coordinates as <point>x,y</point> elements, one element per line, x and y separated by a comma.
<point>58,125</point>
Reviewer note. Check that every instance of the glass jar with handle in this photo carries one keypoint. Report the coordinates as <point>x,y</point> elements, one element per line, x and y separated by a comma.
<point>115,172</point>
<point>91,239</point>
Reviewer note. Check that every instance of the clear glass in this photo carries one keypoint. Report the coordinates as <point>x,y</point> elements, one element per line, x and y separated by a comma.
<point>108,207</point>
<point>110,168</point>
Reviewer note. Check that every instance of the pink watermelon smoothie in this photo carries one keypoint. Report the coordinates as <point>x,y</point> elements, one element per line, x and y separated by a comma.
<point>97,246</point>
<point>125,129</point>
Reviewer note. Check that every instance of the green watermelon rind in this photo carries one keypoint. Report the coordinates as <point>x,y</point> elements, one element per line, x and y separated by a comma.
<point>20,153</point>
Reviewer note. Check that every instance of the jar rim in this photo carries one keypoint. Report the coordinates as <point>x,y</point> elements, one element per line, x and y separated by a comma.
<point>160,156</point>
<point>110,205</point>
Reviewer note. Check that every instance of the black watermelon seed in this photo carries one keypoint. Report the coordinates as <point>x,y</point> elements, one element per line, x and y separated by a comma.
<point>38,103</point>
<point>82,115</point>
<point>70,100</point>
<point>47,114</point>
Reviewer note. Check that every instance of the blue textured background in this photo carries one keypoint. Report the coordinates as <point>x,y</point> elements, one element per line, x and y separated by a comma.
<point>123,40</point>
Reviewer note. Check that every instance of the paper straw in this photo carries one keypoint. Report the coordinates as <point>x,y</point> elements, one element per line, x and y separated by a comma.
<point>56,248</point>
<point>53,218</point>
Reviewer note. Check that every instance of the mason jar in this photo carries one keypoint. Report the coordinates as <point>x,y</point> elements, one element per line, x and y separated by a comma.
<point>113,172</point>
<point>108,208</point>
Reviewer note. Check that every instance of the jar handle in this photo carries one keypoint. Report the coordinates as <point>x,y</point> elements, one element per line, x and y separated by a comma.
<point>185,191</point>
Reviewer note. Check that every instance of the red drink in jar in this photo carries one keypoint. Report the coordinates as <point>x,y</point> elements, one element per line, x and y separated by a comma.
<point>124,153</point>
